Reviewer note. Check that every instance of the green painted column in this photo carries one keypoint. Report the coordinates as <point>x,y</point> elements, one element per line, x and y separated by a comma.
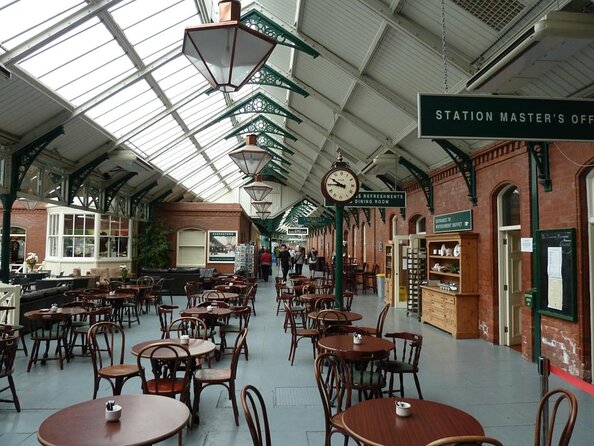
<point>534,227</point>
<point>7,202</point>
<point>338,260</point>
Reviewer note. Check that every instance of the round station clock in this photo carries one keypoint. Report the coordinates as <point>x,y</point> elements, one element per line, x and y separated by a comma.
<point>340,184</point>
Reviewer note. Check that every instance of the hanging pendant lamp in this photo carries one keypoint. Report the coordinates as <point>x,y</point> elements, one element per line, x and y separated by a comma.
<point>261,206</point>
<point>257,190</point>
<point>263,215</point>
<point>227,53</point>
<point>251,159</point>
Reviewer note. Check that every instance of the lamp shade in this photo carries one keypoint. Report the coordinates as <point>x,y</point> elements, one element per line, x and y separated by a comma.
<point>251,159</point>
<point>227,53</point>
<point>263,215</point>
<point>261,206</point>
<point>257,190</point>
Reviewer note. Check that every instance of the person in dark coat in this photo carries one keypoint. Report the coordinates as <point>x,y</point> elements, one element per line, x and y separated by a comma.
<point>285,261</point>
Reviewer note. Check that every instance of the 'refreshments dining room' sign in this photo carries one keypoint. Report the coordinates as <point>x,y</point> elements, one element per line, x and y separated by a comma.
<point>505,118</point>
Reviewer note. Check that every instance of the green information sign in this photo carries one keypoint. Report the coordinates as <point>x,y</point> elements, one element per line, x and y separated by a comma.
<point>376,199</point>
<point>456,221</point>
<point>505,118</point>
<point>314,221</point>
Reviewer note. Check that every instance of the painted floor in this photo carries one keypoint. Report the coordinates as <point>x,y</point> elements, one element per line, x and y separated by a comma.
<point>492,383</point>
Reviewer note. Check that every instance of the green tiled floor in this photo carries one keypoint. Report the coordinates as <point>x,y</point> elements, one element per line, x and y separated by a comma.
<point>493,383</point>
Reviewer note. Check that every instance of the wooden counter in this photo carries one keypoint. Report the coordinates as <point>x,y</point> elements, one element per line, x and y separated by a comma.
<point>456,313</point>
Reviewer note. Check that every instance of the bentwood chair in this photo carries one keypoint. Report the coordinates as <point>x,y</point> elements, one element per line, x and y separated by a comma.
<point>297,334</point>
<point>166,314</point>
<point>16,328</point>
<point>254,407</point>
<point>45,328</point>
<point>225,377</point>
<point>107,343</point>
<point>558,396</point>
<point>334,384</point>
<point>379,328</point>
<point>407,352</point>
<point>8,348</point>
<point>241,319</point>
<point>466,440</point>
<point>193,327</point>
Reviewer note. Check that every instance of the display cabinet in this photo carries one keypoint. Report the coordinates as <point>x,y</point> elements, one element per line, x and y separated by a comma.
<point>450,298</point>
<point>389,263</point>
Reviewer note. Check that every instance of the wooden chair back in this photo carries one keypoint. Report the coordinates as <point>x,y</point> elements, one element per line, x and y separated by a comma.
<point>381,319</point>
<point>48,326</point>
<point>107,344</point>
<point>558,396</point>
<point>325,303</point>
<point>254,408</point>
<point>164,376</point>
<point>145,280</point>
<point>407,347</point>
<point>165,313</point>
<point>237,348</point>
<point>466,440</point>
<point>8,348</point>
<point>194,327</point>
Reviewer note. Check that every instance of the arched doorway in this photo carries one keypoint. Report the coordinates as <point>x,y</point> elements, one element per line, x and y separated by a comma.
<point>509,266</point>
<point>18,245</point>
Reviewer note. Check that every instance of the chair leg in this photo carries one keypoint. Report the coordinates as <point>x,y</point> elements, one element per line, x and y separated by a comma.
<point>33,357</point>
<point>196,404</point>
<point>418,386</point>
<point>15,398</point>
<point>23,343</point>
<point>233,399</point>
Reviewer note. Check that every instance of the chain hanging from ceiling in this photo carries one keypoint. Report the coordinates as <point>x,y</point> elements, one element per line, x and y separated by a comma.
<point>443,48</point>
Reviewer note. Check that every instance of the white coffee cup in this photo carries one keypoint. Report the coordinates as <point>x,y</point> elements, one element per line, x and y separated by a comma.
<point>209,308</point>
<point>113,415</point>
<point>402,409</point>
<point>357,338</point>
<point>184,339</point>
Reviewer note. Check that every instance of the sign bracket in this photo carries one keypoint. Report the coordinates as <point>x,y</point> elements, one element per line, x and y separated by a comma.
<point>465,166</point>
<point>423,180</point>
<point>540,154</point>
<point>367,213</point>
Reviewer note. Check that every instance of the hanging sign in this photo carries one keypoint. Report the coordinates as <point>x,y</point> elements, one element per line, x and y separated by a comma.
<point>505,118</point>
<point>456,221</point>
<point>297,231</point>
<point>314,221</point>
<point>376,199</point>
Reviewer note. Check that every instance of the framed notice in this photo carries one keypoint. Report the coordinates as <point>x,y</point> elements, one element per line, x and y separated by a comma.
<point>221,246</point>
<point>557,262</point>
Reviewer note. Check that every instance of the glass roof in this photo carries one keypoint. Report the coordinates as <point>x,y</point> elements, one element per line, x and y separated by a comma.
<point>123,66</point>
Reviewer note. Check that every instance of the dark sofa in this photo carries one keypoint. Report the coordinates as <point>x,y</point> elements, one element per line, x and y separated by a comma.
<point>35,300</point>
<point>177,277</point>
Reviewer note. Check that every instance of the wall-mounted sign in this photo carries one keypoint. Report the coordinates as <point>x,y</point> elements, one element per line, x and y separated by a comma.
<point>297,231</point>
<point>505,118</point>
<point>376,199</point>
<point>221,246</point>
<point>456,221</point>
<point>314,221</point>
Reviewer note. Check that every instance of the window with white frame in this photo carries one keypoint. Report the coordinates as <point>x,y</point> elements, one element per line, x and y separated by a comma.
<point>79,235</point>
<point>191,247</point>
<point>53,235</point>
<point>113,236</point>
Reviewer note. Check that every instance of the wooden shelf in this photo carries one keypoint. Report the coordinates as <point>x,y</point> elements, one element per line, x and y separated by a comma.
<point>439,273</point>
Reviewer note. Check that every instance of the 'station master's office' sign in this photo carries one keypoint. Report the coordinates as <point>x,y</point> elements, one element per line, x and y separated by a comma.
<point>505,118</point>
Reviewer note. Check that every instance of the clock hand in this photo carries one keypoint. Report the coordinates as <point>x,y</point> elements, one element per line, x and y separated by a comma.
<point>336,183</point>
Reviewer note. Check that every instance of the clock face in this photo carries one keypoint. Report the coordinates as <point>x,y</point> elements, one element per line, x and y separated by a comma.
<point>340,185</point>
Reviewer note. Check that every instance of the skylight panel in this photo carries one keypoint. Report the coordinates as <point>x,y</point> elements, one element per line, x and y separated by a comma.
<point>175,155</point>
<point>156,27</point>
<point>157,135</point>
<point>25,19</point>
<point>214,132</point>
<point>203,109</point>
<point>127,109</point>
<point>193,166</point>
<point>223,147</point>
<point>179,78</point>
<point>207,183</point>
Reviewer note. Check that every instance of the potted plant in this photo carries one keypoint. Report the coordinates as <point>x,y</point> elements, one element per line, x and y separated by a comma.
<point>153,246</point>
<point>30,262</point>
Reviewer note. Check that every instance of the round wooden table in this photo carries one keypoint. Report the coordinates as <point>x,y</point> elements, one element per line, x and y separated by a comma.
<point>70,311</point>
<point>343,344</point>
<point>146,419</point>
<point>375,422</point>
<point>350,316</point>
<point>223,296</point>
<point>202,312</point>
<point>197,347</point>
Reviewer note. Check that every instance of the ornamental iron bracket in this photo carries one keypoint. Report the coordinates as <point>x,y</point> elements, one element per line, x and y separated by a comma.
<point>422,179</point>
<point>382,212</point>
<point>540,154</point>
<point>263,141</point>
<point>258,103</point>
<point>135,199</point>
<point>156,201</point>
<point>78,177</point>
<point>355,214</point>
<point>260,124</point>
<point>112,189</point>
<point>465,166</point>
<point>392,186</point>
<point>367,213</point>
<point>23,158</point>
<point>257,21</point>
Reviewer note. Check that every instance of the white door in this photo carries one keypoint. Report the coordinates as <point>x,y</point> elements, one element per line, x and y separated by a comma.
<point>510,289</point>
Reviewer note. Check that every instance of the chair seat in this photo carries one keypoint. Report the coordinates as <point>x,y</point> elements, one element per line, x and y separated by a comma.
<point>213,375</point>
<point>119,371</point>
<point>81,329</point>
<point>164,387</point>
<point>230,328</point>
<point>306,332</point>
<point>74,324</point>
<point>398,367</point>
<point>52,333</point>
<point>371,331</point>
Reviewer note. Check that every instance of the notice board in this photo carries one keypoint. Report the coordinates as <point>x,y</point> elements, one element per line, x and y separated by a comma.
<point>557,259</point>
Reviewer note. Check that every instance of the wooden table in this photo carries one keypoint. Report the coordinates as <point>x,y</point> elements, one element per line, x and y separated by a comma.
<point>343,344</point>
<point>202,312</point>
<point>375,422</point>
<point>70,311</point>
<point>226,297</point>
<point>197,347</point>
<point>351,316</point>
<point>146,419</point>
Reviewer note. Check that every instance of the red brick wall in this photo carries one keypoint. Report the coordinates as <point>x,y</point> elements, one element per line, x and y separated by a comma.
<point>34,221</point>
<point>208,217</point>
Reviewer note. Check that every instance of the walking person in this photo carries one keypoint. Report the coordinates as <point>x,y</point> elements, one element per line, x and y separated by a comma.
<point>299,260</point>
<point>266,264</point>
<point>285,258</point>
<point>312,262</point>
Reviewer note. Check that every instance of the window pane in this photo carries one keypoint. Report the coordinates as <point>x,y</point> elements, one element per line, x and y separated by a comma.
<point>510,207</point>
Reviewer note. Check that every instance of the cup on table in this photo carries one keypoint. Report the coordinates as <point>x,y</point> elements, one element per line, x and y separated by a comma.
<point>113,414</point>
<point>402,409</point>
<point>184,339</point>
<point>54,308</point>
<point>357,338</point>
<point>209,308</point>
